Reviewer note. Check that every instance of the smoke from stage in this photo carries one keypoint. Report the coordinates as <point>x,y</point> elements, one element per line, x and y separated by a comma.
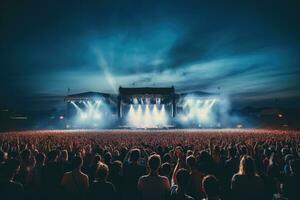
<point>146,108</point>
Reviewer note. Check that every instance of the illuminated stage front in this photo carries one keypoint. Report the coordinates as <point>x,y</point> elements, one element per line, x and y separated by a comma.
<point>143,108</point>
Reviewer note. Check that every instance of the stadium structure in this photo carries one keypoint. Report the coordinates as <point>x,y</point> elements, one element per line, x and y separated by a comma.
<point>143,107</point>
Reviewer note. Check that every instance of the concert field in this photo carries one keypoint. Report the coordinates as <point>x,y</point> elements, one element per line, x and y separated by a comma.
<point>141,137</point>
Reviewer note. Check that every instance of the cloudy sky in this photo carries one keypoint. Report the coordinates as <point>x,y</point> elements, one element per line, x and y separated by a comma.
<point>250,50</point>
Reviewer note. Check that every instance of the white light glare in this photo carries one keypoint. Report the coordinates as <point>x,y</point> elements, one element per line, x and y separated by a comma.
<point>147,116</point>
<point>198,111</point>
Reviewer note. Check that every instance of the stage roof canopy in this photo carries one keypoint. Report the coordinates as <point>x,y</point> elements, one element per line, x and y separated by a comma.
<point>198,94</point>
<point>146,91</point>
<point>87,96</point>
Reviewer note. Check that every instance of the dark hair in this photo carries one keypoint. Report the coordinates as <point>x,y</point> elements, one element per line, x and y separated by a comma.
<point>154,162</point>
<point>165,169</point>
<point>76,162</point>
<point>204,156</point>
<point>183,178</point>
<point>40,158</point>
<point>191,162</point>
<point>210,186</point>
<point>52,155</point>
<point>166,157</point>
<point>135,155</point>
<point>2,154</point>
<point>295,166</point>
<point>107,157</point>
<point>102,171</point>
<point>232,152</point>
<point>25,155</point>
<point>247,166</point>
<point>116,167</point>
<point>96,159</point>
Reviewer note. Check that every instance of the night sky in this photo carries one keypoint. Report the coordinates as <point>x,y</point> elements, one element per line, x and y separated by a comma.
<point>248,50</point>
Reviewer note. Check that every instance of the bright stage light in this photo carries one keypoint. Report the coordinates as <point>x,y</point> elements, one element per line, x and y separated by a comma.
<point>97,116</point>
<point>83,116</point>
<point>197,111</point>
<point>90,112</point>
<point>155,114</point>
<point>158,100</point>
<point>147,117</point>
<point>77,107</point>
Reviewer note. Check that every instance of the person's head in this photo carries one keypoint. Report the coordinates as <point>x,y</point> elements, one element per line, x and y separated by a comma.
<point>102,171</point>
<point>247,166</point>
<point>189,153</point>
<point>295,166</point>
<point>116,155</point>
<point>107,157</point>
<point>116,167</point>
<point>183,178</point>
<point>53,155</point>
<point>64,155</point>
<point>191,162</point>
<point>25,155</point>
<point>166,157</point>
<point>210,186</point>
<point>154,163</point>
<point>178,152</point>
<point>96,159</point>
<point>2,156</point>
<point>10,169</point>
<point>135,155</point>
<point>243,150</point>
<point>40,158</point>
<point>76,163</point>
<point>204,156</point>
<point>165,169</point>
<point>232,152</point>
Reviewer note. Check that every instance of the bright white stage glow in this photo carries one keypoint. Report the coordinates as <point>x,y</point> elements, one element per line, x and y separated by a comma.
<point>198,111</point>
<point>147,116</point>
<point>90,112</point>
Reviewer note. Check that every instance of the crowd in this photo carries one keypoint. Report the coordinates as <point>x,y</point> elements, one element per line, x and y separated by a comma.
<point>175,165</point>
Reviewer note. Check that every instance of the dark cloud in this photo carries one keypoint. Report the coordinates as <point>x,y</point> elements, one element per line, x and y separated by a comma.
<point>248,46</point>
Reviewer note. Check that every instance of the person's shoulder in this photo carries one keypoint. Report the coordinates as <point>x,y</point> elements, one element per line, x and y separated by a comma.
<point>258,178</point>
<point>236,177</point>
<point>110,184</point>
<point>84,175</point>
<point>142,178</point>
<point>164,178</point>
<point>187,197</point>
<point>16,185</point>
<point>67,174</point>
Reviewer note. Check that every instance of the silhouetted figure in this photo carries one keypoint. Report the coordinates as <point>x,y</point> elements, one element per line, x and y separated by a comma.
<point>101,188</point>
<point>9,189</point>
<point>178,192</point>
<point>92,169</point>
<point>195,186</point>
<point>116,177</point>
<point>211,188</point>
<point>51,176</point>
<point>132,172</point>
<point>291,187</point>
<point>154,186</point>
<point>166,170</point>
<point>75,182</point>
<point>247,184</point>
